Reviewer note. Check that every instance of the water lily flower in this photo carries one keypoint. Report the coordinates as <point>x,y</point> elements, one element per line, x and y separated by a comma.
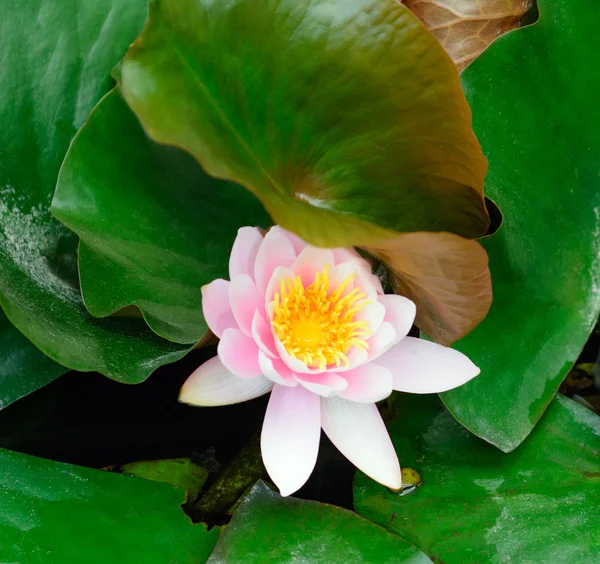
<point>314,327</point>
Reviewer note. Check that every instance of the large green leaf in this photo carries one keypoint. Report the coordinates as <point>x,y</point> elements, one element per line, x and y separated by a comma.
<point>154,227</point>
<point>56,65</point>
<point>269,528</point>
<point>23,368</point>
<point>477,504</point>
<point>58,513</point>
<point>345,117</point>
<point>534,95</point>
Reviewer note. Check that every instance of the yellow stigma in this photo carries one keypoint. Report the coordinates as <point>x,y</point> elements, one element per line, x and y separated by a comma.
<point>316,324</point>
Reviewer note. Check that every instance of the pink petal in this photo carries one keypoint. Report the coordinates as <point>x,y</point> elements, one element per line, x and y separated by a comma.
<point>275,250</point>
<point>368,383</point>
<point>245,301</point>
<point>212,384</point>
<point>216,308</point>
<point>239,354</point>
<point>423,367</point>
<point>290,437</point>
<point>276,371</point>
<point>357,430</point>
<point>368,283</point>
<point>310,261</point>
<point>341,255</point>
<point>382,341</point>
<point>327,384</point>
<point>274,285</point>
<point>296,242</point>
<point>244,251</point>
<point>374,313</point>
<point>400,312</point>
<point>263,335</point>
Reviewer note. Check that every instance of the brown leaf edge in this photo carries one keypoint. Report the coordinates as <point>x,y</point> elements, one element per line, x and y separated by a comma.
<point>445,275</point>
<point>465,27</point>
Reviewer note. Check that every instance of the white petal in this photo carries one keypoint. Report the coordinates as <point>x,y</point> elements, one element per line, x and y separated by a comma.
<point>374,313</point>
<point>382,341</point>
<point>423,367</point>
<point>326,384</point>
<point>212,384</point>
<point>368,383</point>
<point>400,312</point>
<point>290,437</point>
<point>276,371</point>
<point>359,433</point>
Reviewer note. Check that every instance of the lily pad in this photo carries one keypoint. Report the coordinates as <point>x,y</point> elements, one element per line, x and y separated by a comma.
<point>269,528</point>
<point>477,504</point>
<point>24,369</point>
<point>539,129</point>
<point>344,117</point>
<point>154,227</point>
<point>56,513</point>
<point>56,66</point>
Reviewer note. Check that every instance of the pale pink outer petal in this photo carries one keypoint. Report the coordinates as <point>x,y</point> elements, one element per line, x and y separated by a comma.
<point>327,384</point>
<point>239,354</point>
<point>400,312</point>
<point>382,341</point>
<point>244,251</point>
<point>275,250</point>
<point>310,261</point>
<point>263,335</point>
<point>374,313</point>
<point>341,255</point>
<point>274,285</point>
<point>245,301</point>
<point>212,384</point>
<point>359,433</point>
<point>368,383</point>
<point>423,367</point>
<point>297,243</point>
<point>216,308</point>
<point>290,437</point>
<point>276,371</point>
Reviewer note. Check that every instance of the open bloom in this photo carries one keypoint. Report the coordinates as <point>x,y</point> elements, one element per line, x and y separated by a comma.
<point>313,327</point>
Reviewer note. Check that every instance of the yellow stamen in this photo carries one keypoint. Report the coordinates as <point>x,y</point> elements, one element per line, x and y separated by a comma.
<point>316,324</point>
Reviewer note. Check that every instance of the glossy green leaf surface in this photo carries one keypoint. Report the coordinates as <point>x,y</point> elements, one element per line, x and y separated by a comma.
<point>154,227</point>
<point>345,118</point>
<point>23,368</point>
<point>534,95</point>
<point>269,528</point>
<point>56,66</point>
<point>56,513</point>
<point>477,504</point>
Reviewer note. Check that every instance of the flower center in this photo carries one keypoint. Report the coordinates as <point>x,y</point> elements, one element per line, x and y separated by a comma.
<point>316,324</point>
